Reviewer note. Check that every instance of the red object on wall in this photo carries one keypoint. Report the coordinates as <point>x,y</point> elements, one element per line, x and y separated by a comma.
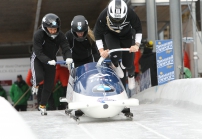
<point>62,75</point>
<point>29,77</point>
<point>6,82</point>
<point>136,61</point>
<point>186,60</point>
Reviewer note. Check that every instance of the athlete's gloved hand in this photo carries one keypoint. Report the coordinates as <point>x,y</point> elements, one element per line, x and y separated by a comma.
<point>52,62</point>
<point>69,61</point>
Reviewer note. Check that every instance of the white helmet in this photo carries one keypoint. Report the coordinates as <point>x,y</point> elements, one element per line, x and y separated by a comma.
<point>117,12</point>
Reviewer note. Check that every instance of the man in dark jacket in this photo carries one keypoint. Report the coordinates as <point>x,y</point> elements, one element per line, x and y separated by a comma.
<point>148,60</point>
<point>20,94</point>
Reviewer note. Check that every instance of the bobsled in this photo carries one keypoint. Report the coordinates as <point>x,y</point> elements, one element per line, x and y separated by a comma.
<point>94,90</point>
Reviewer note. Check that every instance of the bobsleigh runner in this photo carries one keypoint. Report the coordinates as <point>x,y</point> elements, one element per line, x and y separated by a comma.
<point>94,90</point>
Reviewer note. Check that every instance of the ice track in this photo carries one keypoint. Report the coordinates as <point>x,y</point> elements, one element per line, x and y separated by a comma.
<point>151,121</point>
<point>171,111</point>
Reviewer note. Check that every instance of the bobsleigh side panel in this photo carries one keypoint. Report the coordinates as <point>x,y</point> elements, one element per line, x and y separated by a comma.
<point>97,81</point>
<point>70,86</point>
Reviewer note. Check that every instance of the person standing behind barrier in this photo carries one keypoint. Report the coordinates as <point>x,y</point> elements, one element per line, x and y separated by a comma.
<point>20,93</point>
<point>148,60</point>
<point>62,75</point>
<point>57,93</point>
<point>47,41</point>
<point>3,92</point>
<point>116,23</point>
<point>82,42</point>
<point>136,62</point>
<point>187,73</point>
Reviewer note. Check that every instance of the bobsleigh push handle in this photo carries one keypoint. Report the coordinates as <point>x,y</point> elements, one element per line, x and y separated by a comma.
<point>120,49</point>
<point>61,62</point>
<point>64,62</point>
<point>109,52</point>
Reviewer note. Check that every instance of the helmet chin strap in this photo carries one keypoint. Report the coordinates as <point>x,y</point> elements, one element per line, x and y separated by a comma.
<point>43,27</point>
<point>80,39</point>
<point>108,24</point>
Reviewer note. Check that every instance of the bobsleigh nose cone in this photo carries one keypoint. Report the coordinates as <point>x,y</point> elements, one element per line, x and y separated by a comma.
<point>105,106</point>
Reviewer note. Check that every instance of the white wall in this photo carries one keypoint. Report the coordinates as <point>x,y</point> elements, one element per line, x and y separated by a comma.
<point>12,126</point>
<point>182,92</point>
<point>10,68</point>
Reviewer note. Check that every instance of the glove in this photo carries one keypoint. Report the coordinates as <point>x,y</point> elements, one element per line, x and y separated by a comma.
<point>69,61</point>
<point>52,62</point>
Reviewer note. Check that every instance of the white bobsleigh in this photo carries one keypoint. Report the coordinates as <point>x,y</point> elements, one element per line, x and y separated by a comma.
<point>95,91</point>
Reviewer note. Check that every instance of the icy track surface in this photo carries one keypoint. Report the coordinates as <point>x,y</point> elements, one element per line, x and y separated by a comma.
<point>151,121</point>
<point>171,111</point>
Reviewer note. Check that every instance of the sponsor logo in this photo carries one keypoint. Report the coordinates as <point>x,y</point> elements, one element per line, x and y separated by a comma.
<point>79,26</point>
<point>54,23</point>
<point>102,100</point>
<point>99,75</point>
<point>101,88</point>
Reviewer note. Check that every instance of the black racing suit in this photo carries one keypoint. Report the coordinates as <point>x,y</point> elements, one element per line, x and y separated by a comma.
<point>45,49</point>
<point>82,51</point>
<point>115,40</point>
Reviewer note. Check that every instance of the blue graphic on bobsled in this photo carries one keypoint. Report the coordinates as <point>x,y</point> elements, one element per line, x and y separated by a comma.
<point>93,81</point>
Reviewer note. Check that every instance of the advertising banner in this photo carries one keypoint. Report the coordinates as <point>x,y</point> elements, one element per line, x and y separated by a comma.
<point>165,61</point>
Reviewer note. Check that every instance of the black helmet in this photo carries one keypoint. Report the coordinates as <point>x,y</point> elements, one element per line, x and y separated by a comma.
<point>51,21</point>
<point>117,12</point>
<point>79,24</point>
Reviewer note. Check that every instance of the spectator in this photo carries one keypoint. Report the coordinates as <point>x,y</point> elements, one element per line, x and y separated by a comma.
<point>148,60</point>
<point>187,73</point>
<point>3,92</point>
<point>57,93</point>
<point>136,62</point>
<point>20,93</point>
<point>186,60</point>
<point>62,75</point>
